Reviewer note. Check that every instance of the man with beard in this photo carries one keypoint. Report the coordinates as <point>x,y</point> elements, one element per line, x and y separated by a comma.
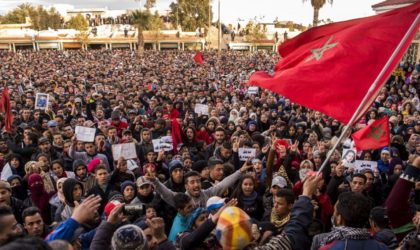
<point>9,227</point>
<point>219,138</point>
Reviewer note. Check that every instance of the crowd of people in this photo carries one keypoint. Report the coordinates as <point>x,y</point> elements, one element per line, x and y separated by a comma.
<point>60,190</point>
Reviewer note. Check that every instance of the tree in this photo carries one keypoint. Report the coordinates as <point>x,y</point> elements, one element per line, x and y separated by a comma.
<point>142,20</point>
<point>190,14</point>
<point>41,19</point>
<point>255,31</point>
<point>155,25</point>
<point>77,22</point>
<point>317,5</point>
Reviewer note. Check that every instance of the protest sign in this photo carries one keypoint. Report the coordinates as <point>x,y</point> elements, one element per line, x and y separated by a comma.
<point>85,134</point>
<point>124,150</point>
<point>201,109</point>
<point>349,157</point>
<point>362,165</point>
<point>246,153</point>
<point>253,90</point>
<point>164,143</point>
<point>41,101</point>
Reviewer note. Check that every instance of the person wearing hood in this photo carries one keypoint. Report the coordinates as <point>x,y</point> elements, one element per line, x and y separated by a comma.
<point>72,191</point>
<point>39,197</point>
<point>82,175</point>
<point>13,167</point>
<point>57,201</point>
<point>19,191</point>
<point>379,223</point>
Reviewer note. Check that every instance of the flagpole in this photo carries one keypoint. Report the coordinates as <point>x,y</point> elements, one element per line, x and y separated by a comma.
<point>371,89</point>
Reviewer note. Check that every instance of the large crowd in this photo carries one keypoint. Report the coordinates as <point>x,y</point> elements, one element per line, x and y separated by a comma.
<point>238,173</point>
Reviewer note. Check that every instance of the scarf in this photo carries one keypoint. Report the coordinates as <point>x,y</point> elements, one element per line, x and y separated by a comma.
<point>279,222</point>
<point>249,200</point>
<point>346,233</point>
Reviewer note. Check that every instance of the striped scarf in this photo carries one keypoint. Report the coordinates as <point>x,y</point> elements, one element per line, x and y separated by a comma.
<point>346,233</point>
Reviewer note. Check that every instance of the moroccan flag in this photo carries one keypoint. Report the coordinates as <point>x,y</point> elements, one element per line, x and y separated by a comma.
<point>6,109</point>
<point>373,136</point>
<point>176,134</point>
<point>199,58</point>
<point>330,68</point>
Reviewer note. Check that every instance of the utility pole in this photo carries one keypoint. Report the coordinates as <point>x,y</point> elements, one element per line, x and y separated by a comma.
<point>220,30</point>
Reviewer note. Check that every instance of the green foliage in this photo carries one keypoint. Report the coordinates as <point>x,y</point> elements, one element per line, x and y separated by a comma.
<point>255,31</point>
<point>317,5</point>
<point>190,14</point>
<point>41,18</point>
<point>77,22</point>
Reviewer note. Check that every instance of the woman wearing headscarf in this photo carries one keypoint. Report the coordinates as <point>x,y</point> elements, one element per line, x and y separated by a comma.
<point>39,197</point>
<point>57,201</point>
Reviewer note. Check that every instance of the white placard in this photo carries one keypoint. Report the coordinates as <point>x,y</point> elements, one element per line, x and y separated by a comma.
<point>253,90</point>
<point>349,157</point>
<point>41,101</point>
<point>201,109</point>
<point>85,134</point>
<point>362,165</point>
<point>246,153</point>
<point>125,150</point>
<point>164,143</point>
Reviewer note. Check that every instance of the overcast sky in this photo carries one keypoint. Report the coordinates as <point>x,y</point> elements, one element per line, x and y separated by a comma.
<point>231,10</point>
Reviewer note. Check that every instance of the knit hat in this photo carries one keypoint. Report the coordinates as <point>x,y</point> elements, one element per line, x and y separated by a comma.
<point>93,164</point>
<point>5,185</point>
<point>214,203</point>
<point>174,164</point>
<point>233,230</point>
<point>126,184</point>
<point>142,181</point>
<point>199,165</point>
<point>385,150</point>
<point>279,181</point>
<point>110,206</point>
<point>129,237</point>
<point>12,177</point>
<point>194,215</point>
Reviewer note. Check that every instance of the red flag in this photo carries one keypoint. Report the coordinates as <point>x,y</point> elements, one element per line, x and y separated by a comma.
<point>376,135</point>
<point>176,134</point>
<point>199,58</point>
<point>331,68</point>
<point>5,107</point>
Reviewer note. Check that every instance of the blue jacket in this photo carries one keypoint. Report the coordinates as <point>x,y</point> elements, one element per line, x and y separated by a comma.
<point>64,231</point>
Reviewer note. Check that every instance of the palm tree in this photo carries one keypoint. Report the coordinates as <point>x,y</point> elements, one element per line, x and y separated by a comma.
<point>317,5</point>
<point>141,19</point>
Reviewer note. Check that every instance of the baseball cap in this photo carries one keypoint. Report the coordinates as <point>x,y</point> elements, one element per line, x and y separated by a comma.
<point>52,124</point>
<point>215,202</point>
<point>279,181</point>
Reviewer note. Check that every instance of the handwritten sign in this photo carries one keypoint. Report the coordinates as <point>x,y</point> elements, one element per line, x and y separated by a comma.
<point>164,143</point>
<point>124,150</point>
<point>362,165</point>
<point>85,134</point>
<point>246,153</point>
<point>201,109</point>
<point>253,90</point>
